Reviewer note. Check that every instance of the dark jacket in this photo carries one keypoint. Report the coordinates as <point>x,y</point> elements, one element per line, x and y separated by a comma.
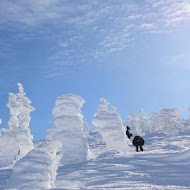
<point>138,141</point>
<point>128,134</point>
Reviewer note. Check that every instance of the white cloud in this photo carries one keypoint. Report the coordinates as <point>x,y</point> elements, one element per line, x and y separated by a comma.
<point>90,29</point>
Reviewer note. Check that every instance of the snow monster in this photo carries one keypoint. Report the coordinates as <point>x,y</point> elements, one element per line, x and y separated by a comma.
<point>138,142</point>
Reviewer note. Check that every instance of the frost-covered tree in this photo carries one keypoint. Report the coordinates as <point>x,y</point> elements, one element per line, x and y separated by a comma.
<point>144,123</point>
<point>187,122</point>
<point>17,141</point>
<point>167,121</point>
<point>108,124</point>
<point>132,122</point>
<point>68,127</point>
<point>139,124</point>
<point>38,169</point>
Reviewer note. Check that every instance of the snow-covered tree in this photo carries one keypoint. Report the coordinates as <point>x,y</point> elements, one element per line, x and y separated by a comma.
<point>68,127</point>
<point>167,121</point>
<point>132,122</point>
<point>17,141</point>
<point>108,124</point>
<point>139,124</point>
<point>187,122</point>
<point>38,169</point>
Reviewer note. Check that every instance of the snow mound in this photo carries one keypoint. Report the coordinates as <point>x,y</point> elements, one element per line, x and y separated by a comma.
<point>108,124</point>
<point>67,128</point>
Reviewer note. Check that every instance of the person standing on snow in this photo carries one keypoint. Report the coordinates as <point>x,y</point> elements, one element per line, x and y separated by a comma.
<point>138,142</point>
<point>128,134</point>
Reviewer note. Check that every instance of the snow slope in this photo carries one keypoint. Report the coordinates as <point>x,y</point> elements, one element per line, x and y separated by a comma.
<point>164,165</point>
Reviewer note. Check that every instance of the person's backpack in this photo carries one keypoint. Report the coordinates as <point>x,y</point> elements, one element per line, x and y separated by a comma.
<point>138,141</point>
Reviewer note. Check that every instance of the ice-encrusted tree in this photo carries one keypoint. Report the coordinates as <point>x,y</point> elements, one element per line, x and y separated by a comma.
<point>167,121</point>
<point>187,122</point>
<point>68,127</point>
<point>38,169</point>
<point>132,122</point>
<point>65,144</point>
<point>17,141</point>
<point>108,124</point>
<point>139,124</point>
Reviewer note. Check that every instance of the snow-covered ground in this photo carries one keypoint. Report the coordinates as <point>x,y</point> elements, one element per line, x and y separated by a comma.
<point>72,157</point>
<point>165,164</point>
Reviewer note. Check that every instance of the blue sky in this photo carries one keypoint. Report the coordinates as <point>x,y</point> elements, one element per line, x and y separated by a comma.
<point>136,54</point>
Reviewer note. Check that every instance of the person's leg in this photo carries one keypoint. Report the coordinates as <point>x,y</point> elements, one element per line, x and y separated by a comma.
<point>141,148</point>
<point>137,148</point>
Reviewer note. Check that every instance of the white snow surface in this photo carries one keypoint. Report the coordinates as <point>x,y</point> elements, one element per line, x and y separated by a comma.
<point>108,124</point>
<point>67,128</point>
<point>17,140</point>
<point>164,165</point>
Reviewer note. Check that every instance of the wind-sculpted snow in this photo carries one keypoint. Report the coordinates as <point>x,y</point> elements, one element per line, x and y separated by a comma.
<point>17,140</point>
<point>67,128</point>
<point>37,170</point>
<point>108,124</point>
